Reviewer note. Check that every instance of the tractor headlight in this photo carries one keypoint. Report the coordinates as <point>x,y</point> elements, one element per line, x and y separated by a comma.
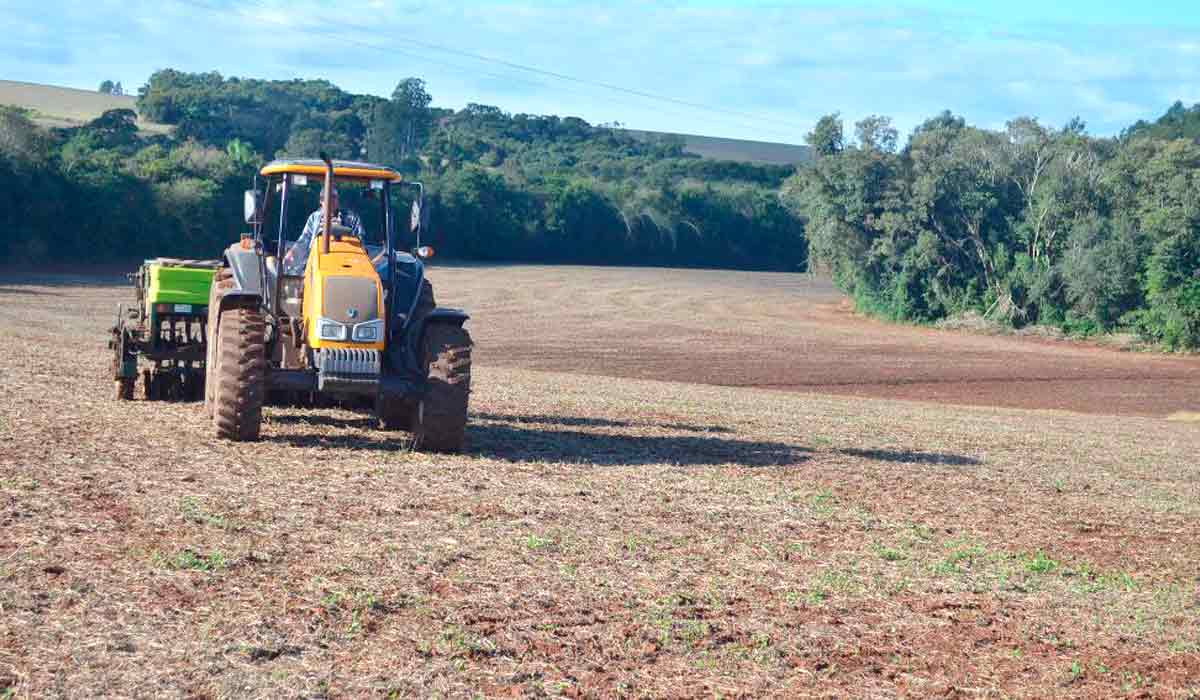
<point>330,330</point>
<point>369,332</point>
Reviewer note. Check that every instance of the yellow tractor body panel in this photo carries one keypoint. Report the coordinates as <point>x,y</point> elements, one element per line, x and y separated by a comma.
<point>342,287</point>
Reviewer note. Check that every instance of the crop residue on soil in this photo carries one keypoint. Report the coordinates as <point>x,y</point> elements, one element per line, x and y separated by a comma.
<point>603,536</point>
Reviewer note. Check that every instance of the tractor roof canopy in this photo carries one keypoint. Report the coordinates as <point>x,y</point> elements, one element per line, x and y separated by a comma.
<point>348,169</point>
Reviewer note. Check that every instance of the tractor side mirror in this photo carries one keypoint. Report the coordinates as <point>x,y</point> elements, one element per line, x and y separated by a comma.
<point>252,206</point>
<point>416,215</point>
<point>414,219</point>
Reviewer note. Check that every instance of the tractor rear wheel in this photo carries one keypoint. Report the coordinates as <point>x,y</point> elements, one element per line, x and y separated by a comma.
<point>238,379</point>
<point>222,280</point>
<point>441,418</point>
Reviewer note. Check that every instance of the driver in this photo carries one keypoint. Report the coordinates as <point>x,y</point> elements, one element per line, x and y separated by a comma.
<point>297,255</point>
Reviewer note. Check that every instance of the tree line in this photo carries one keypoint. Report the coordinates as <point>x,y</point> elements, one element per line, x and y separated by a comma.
<point>501,186</point>
<point>507,186</point>
<point>1028,225</point>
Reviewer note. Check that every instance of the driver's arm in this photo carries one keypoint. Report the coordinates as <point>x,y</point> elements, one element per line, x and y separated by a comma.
<point>382,256</point>
<point>302,243</point>
<point>356,227</point>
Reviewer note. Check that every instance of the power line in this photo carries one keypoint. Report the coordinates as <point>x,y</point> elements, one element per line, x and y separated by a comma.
<point>517,66</point>
<point>594,83</point>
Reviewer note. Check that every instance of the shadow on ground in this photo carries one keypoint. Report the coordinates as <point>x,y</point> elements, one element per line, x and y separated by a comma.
<point>911,457</point>
<point>315,417</point>
<point>361,441</point>
<point>580,421</point>
<point>537,438</point>
<point>514,442</point>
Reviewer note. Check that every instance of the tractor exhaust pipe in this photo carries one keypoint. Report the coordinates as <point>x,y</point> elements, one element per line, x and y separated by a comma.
<point>327,200</point>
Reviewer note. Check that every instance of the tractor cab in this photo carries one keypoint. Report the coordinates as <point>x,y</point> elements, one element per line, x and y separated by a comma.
<point>292,201</point>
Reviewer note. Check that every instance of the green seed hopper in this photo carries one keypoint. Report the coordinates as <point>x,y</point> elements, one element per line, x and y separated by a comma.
<point>163,333</point>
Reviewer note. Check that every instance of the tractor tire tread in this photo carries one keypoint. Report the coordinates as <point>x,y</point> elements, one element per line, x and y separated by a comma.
<point>239,379</point>
<point>443,420</point>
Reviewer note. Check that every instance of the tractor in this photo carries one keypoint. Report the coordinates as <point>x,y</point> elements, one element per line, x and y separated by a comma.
<point>356,325</point>
<point>164,330</point>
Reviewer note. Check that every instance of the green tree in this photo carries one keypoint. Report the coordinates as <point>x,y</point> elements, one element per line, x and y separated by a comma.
<point>876,133</point>
<point>583,225</point>
<point>307,143</point>
<point>411,94</point>
<point>1101,270</point>
<point>242,156</point>
<point>826,137</point>
<point>20,139</point>
<point>410,116</point>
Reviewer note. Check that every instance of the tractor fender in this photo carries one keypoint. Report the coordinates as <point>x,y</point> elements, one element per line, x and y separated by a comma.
<point>239,300</point>
<point>247,269</point>
<point>416,331</point>
<point>440,315</point>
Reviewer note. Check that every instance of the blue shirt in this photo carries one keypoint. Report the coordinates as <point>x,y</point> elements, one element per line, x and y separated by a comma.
<point>297,255</point>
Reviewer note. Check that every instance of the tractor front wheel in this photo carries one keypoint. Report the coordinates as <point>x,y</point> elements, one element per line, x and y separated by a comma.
<point>125,389</point>
<point>238,376</point>
<point>440,421</point>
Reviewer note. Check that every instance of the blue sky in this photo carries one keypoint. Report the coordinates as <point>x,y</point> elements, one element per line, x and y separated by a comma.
<point>761,70</point>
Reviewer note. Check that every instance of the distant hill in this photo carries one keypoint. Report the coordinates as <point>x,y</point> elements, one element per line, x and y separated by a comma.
<point>737,149</point>
<point>55,106</point>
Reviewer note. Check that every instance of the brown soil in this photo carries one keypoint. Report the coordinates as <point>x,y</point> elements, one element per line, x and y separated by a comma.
<point>601,536</point>
<point>790,332</point>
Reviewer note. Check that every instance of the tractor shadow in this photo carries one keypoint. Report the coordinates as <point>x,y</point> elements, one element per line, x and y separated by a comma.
<point>513,439</point>
<point>912,457</point>
<point>565,439</point>
<point>582,422</point>
<point>312,428</point>
<point>324,420</point>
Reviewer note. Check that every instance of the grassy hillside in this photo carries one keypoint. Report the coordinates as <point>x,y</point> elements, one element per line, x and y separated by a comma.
<point>65,107</point>
<point>737,149</point>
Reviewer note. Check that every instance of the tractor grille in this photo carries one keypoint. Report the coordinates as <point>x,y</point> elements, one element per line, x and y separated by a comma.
<point>347,370</point>
<point>345,293</point>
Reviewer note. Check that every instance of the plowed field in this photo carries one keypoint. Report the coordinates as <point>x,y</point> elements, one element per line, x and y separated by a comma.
<point>792,332</point>
<point>679,484</point>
